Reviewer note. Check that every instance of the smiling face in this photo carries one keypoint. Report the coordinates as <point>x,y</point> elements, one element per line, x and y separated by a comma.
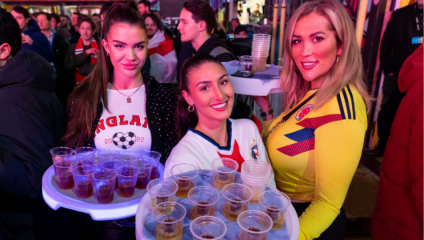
<point>314,48</point>
<point>188,27</point>
<point>86,31</point>
<point>211,92</point>
<point>127,47</point>
<point>151,27</point>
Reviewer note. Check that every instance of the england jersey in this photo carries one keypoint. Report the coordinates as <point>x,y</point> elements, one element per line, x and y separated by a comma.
<point>244,143</point>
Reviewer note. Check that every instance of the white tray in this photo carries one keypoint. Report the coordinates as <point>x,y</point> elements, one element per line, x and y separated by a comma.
<point>291,219</point>
<point>98,212</point>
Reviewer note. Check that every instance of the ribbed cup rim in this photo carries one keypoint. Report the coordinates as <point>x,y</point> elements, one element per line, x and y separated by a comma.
<point>255,212</point>
<point>210,218</point>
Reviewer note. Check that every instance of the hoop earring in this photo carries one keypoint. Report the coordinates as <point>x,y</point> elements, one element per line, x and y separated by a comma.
<point>191,108</point>
<point>337,58</point>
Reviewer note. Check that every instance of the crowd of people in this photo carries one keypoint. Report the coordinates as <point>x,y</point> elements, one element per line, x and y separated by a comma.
<point>78,81</point>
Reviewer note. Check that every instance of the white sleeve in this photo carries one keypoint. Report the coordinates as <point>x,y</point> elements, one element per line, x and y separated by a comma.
<point>180,154</point>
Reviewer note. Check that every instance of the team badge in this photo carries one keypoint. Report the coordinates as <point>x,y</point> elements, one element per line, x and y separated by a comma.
<point>304,111</point>
<point>254,150</point>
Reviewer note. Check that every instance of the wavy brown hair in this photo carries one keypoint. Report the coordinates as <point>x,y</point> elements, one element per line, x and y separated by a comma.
<point>348,70</point>
<point>89,94</point>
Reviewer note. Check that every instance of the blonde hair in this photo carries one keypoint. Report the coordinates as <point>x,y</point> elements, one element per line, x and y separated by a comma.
<point>347,70</point>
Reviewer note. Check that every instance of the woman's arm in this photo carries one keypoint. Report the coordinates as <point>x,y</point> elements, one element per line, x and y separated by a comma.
<point>338,149</point>
<point>73,61</point>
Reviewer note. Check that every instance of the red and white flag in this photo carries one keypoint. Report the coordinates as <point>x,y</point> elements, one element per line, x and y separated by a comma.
<point>163,58</point>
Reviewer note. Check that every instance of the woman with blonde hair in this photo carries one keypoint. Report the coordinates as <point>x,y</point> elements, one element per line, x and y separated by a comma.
<point>316,143</point>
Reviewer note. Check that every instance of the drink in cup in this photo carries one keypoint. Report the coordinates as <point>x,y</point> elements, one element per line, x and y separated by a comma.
<point>254,225</point>
<point>184,175</point>
<point>280,66</point>
<point>246,63</point>
<point>83,181</point>
<point>255,174</point>
<point>104,182</point>
<point>224,171</point>
<point>274,203</point>
<point>208,227</point>
<point>127,178</point>
<point>145,167</point>
<point>60,154</point>
<point>236,200</point>
<point>85,153</point>
<point>108,154</point>
<point>169,220</point>
<point>161,190</point>
<point>112,164</point>
<point>154,157</point>
<point>203,201</point>
<point>65,178</point>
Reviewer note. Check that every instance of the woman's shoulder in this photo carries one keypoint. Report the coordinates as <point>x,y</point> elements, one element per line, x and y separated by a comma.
<point>348,104</point>
<point>242,123</point>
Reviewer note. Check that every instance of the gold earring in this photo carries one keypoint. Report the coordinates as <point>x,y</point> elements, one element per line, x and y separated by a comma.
<point>337,58</point>
<point>191,108</point>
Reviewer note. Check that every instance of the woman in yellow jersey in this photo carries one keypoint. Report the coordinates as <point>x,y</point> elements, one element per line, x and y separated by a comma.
<point>316,143</point>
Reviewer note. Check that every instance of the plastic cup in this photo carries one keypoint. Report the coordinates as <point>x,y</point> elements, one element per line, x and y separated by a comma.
<point>208,227</point>
<point>169,220</point>
<point>143,179</point>
<point>154,157</point>
<point>60,154</point>
<point>108,154</point>
<point>274,203</point>
<point>280,66</point>
<point>112,165</point>
<point>129,156</point>
<point>254,225</point>
<point>127,178</point>
<point>259,63</point>
<point>183,175</point>
<point>255,174</point>
<point>104,182</point>
<point>236,200</point>
<point>246,63</point>
<point>84,152</point>
<point>203,201</point>
<point>161,190</point>
<point>83,178</point>
<point>65,178</point>
<point>224,171</point>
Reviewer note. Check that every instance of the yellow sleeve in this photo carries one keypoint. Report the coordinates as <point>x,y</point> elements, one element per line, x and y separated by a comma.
<point>338,148</point>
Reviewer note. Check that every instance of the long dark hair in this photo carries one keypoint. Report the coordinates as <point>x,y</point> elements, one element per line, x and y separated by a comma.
<point>183,118</point>
<point>86,98</point>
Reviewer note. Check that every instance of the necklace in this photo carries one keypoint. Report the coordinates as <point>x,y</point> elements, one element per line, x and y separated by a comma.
<point>128,97</point>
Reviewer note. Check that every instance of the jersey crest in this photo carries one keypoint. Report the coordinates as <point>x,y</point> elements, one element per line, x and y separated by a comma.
<point>304,111</point>
<point>254,153</point>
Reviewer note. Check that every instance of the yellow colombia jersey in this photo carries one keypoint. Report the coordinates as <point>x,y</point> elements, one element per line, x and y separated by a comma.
<point>315,154</point>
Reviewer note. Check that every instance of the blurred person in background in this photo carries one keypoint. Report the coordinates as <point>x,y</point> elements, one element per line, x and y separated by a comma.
<point>403,35</point>
<point>144,6</point>
<point>256,17</point>
<point>55,21</point>
<point>82,56</point>
<point>32,122</point>
<point>161,51</point>
<point>64,79</point>
<point>65,27</point>
<point>96,19</point>
<point>234,23</point>
<point>401,176</point>
<point>32,37</point>
<point>241,44</point>
<point>74,31</point>
<point>103,12</point>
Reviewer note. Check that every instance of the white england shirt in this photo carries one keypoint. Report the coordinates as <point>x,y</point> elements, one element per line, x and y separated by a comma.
<point>244,143</point>
<point>124,126</point>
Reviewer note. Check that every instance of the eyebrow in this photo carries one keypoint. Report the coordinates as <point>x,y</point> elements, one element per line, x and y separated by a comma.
<point>206,82</point>
<point>126,44</point>
<point>313,34</point>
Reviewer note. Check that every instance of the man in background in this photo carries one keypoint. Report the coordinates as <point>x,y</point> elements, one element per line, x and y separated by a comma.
<point>65,27</point>
<point>161,51</point>
<point>144,6</point>
<point>32,122</point>
<point>256,17</point>
<point>241,44</point>
<point>403,35</point>
<point>74,31</point>
<point>32,38</point>
<point>64,80</point>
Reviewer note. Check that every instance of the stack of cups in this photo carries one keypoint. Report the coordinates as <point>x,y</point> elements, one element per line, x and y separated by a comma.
<point>255,174</point>
<point>260,51</point>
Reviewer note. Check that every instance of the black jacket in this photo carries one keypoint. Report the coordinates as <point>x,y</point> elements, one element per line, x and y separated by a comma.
<point>160,109</point>
<point>214,41</point>
<point>32,122</point>
<point>241,46</point>
<point>60,48</point>
<point>40,42</point>
<point>396,44</point>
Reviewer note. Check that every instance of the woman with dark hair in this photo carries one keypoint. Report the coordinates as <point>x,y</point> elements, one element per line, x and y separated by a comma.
<point>82,56</point>
<point>203,122</point>
<point>118,99</point>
